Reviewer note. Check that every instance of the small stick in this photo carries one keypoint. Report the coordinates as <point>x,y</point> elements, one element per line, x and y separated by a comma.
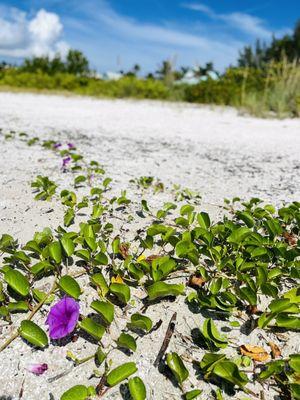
<point>166,341</point>
<point>100,387</point>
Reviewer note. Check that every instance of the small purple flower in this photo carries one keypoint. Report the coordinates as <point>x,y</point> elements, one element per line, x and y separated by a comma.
<point>37,369</point>
<point>71,146</point>
<point>57,145</point>
<point>66,161</point>
<point>62,318</point>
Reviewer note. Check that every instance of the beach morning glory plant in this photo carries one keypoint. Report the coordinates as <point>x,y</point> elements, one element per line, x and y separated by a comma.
<point>62,318</point>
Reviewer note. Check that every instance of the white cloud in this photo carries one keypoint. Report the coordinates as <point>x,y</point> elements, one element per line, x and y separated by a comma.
<point>21,36</point>
<point>244,22</point>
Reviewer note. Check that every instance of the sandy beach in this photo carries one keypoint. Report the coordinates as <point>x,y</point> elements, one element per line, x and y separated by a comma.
<point>215,152</point>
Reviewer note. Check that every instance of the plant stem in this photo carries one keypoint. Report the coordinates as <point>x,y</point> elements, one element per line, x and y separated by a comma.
<point>30,316</point>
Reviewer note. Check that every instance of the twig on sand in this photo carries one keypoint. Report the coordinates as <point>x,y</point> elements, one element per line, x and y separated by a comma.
<point>30,316</point>
<point>166,341</point>
<point>100,387</point>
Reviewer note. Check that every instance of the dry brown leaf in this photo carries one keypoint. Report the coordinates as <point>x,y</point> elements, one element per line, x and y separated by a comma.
<point>257,353</point>
<point>152,257</point>
<point>124,250</point>
<point>252,309</point>
<point>290,238</point>
<point>196,281</point>
<point>275,350</point>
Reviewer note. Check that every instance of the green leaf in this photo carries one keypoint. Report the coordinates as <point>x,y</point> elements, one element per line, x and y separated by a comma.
<point>177,366</point>
<point>100,356</point>
<point>280,305</point>
<point>67,245</point>
<point>126,341</point>
<point>32,246</point>
<point>91,242</point>
<point>84,254</point>
<point>99,281</point>
<point>161,267</point>
<point>69,217</point>
<point>33,333</point>
<point>41,267</point>
<point>192,394</point>
<point>121,291</point>
<point>120,373</point>
<point>137,388</point>
<point>55,252</point>
<point>229,371</point>
<point>93,328</point>
<point>70,286</point>
<point>203,220</point>
<point>21,256</point>
<point>211,333</point>
<point>288,322</point>
<point>39,296</point>
<point>162,289</point>
<point>116,245</point>
<point>105,309</point>
<point>101,259</point>
<point>246,217</point>
<point>186,209</point>
<point>79,179</point>
<point>246,293</point>
<point>139,321</point>
<point>18,306</point>
<point>78,392</point>
<point>17,281</point>
<point>6,241</point>
<point>238,235</point>
<point>209,360</point>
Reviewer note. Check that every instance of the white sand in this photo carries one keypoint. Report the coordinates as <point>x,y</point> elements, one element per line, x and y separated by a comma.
<point>214,151</point>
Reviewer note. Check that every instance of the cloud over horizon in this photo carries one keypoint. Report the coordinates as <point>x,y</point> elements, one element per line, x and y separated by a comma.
<point>22,36</point>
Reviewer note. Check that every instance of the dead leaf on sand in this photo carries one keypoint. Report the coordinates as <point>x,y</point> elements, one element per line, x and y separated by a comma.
<point>275,350</point>
<point>196,281</point>
<point>257,353</point>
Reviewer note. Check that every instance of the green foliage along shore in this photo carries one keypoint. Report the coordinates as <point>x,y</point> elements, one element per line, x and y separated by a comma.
<point>265,83</point>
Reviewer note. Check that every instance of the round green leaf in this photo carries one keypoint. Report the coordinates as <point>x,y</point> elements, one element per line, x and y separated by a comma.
<point>121,291</point>
<point>17,281</point>
<point>70,286</point>
<point>33,333</point>
<point>177,366</point>
<point>140,321</point>
<point>137,388</point>
<point>78,392</point>
<point>120,373</point>
<point>126,341</point>
<point>106,310</point>
<point>162,289</point>
<point>93,328</point>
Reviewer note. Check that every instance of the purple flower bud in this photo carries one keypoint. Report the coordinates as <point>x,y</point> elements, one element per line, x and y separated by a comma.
<point>66,161</point>
<point>62,318</point>
<point>71,146</point>
<point>37,369</point>
<point>57,145</point>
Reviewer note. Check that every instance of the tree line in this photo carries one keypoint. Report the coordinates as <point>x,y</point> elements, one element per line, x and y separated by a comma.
<point>257,56</point>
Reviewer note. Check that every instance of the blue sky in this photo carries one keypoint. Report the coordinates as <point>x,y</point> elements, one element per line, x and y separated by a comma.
<point>115,34</point>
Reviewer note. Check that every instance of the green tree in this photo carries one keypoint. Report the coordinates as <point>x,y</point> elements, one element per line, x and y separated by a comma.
<point>77,63</point>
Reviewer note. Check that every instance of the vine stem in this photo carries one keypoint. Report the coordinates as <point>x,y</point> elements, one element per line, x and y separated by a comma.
<point>30,316</point>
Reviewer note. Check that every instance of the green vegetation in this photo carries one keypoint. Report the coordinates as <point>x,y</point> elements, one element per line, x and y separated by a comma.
<point>242,270</point>
<point>266,81</point>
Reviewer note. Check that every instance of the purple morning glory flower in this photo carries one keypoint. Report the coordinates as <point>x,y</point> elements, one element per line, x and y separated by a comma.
<point>62,318</point>
<point>57,145</point>
<point>71,146</point>
<point>37,369</point>
<point>66,161</point>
